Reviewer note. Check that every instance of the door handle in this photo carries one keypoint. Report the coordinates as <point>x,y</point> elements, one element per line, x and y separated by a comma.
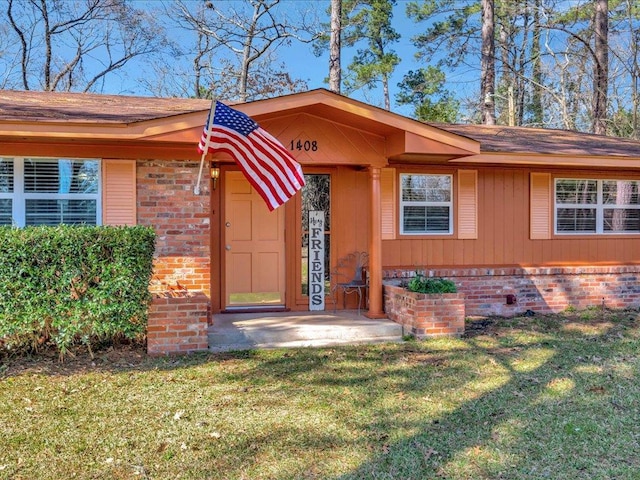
<point>227,247</point>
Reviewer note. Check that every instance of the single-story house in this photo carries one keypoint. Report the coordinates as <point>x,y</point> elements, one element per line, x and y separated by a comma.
<point>520,218</point>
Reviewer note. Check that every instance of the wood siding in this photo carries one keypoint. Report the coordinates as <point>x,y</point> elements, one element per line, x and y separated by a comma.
<point>504,234</point>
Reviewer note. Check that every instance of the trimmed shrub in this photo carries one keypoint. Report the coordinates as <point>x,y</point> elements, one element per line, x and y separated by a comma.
<point>422,284</point>
<point>69,285</point>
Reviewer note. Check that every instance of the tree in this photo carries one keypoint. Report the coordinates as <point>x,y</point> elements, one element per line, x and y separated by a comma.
<point>537,89</point>
<point>600,66</point>
<point>75,45</point>
<point>424,89</point>
<point>239,42</point>
<point>487,64</point>
<point>370,23</point>
<point>335,70</point>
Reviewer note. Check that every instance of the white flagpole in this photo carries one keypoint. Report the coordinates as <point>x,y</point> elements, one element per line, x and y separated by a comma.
<point>212,112</point>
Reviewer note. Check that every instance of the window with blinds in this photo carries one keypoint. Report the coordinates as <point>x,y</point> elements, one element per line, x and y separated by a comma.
<point>426,204</point>
<point>35,191</point>
<point>597,206</point>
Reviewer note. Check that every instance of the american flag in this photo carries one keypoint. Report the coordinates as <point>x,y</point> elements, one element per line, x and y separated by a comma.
<point>265,162</point>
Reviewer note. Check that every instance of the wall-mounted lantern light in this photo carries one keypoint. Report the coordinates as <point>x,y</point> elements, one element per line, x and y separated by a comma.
<point>215,174</point>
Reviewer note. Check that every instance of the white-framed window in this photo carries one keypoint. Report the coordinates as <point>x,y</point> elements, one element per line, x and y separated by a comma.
<point>588,206</point>
<point>49,191</point>
<point>426,205</point>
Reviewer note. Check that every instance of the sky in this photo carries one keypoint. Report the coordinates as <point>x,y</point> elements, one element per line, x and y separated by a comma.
<point>302,63</point>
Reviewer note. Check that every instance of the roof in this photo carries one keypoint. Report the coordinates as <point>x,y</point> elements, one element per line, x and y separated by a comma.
<point>59,110</point>
<point>503,139</point>
<point>32,106</point>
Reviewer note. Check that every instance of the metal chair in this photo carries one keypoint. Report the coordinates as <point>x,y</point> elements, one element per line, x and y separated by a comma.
<point>350,276</point>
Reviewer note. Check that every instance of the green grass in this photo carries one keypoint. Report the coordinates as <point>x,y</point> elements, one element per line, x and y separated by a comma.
<point>544,397</point>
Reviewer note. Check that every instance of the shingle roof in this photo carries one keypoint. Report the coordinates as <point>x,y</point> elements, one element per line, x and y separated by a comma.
<point>30,106</point>
<point>502,139</point>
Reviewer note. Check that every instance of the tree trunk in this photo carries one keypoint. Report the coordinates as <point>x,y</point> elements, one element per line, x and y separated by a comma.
<point>537,117</point>
<point>385,92</point>
<point>601,66</point>
<point>334,46</point>
<point>487,64</point>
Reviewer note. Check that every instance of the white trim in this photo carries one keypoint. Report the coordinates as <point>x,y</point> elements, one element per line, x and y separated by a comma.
<point>448,204</point>
<point>599,207</point>
<point>19,196</point>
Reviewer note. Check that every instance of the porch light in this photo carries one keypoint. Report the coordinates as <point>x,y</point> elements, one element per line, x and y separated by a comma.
<point>215,174</point>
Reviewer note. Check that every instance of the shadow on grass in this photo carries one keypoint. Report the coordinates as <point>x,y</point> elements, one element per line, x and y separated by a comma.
<point>560,414</point>
<point>561,405</point>
<point>542,397</point>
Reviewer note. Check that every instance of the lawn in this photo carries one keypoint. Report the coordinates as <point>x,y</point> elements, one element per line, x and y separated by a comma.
<point>526,398</point>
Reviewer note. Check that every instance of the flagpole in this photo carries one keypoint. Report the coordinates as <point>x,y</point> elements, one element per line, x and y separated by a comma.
<point>212,112</point>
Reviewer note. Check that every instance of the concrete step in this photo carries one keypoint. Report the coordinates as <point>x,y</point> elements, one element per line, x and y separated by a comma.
<point>248,331</point>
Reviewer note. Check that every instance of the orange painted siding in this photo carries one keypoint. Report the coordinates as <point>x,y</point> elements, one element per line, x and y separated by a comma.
<point>119,192</point>
<point>350,212</point>
<point>504,221</point>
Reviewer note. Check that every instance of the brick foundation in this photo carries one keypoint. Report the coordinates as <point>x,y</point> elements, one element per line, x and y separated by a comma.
<point>181,283</point>
<point>425,315</point>
<point>540,289</point>
<point>178,325</point>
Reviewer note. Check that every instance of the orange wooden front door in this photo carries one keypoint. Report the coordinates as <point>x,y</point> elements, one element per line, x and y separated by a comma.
<point>254,247</point>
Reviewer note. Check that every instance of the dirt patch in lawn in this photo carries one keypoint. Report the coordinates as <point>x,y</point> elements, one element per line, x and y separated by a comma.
<point>48,362</point>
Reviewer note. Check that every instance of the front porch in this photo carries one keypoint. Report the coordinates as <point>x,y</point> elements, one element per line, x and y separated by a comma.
<point>245,331</point>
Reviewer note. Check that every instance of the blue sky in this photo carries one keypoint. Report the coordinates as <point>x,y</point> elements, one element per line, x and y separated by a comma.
<point>315,69</point>
<point>302,63</point>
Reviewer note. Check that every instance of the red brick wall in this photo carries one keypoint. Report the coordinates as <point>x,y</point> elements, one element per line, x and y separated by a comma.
<point>425,315</point>
<point>181,281</point>
<point>540,289</point>
<point>178,324</point>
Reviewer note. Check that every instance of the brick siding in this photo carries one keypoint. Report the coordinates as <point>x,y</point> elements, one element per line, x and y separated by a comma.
<point>539,289</point>
<point>179,314</point>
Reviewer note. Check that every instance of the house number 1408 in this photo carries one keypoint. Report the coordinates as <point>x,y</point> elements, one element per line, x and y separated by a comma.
<point>307,145</point>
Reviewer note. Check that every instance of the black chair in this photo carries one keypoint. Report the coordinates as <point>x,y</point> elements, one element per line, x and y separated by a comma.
<point>350,276</point>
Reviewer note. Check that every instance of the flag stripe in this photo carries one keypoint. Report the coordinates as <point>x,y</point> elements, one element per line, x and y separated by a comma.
<point>258,171</point>
<point>292,166</point>
<point>265,162</point>
<point>255,161</point>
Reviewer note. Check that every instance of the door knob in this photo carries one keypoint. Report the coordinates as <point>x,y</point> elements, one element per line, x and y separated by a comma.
<point>227,247</point>
<point>228,224</point>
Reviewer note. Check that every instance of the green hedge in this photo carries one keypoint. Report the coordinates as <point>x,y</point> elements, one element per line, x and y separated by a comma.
<point>69,285</point>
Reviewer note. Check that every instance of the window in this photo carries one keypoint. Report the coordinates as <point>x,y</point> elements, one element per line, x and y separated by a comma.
<point>426,204</point>
<point>49,191</point>
<point>597,206</point>
<point>316,195</point>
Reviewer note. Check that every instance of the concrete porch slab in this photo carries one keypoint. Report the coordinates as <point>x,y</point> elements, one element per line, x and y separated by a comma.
<point>245,331</point>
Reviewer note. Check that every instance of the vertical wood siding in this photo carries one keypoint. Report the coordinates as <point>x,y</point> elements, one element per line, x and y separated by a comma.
<point>505,229</point>
<point>119,192</point>
<point>349,212</point>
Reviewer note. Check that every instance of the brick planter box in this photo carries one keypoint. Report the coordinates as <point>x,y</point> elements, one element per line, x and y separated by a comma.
<point>425,315</point>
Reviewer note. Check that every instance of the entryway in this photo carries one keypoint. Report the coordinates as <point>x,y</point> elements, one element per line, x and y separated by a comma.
<point>254,248</point>
<point>245,331</point>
